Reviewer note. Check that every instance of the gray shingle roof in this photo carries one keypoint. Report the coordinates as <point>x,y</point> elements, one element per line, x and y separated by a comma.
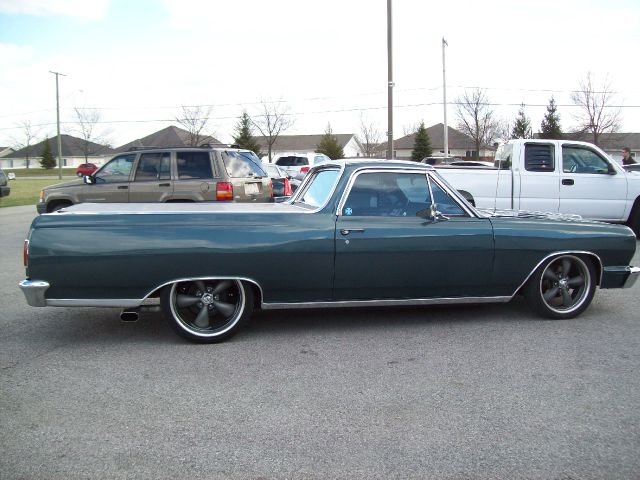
<point>301,142</point>
<point>71,147</point>
<point>167,137</point>
<point>457,139</point>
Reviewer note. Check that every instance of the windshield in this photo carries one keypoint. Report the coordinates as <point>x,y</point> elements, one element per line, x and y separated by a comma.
<point>318,188</point>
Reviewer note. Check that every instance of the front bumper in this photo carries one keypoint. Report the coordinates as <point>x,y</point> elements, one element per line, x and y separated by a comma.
<point>34,291</point>
<point>619,277</point>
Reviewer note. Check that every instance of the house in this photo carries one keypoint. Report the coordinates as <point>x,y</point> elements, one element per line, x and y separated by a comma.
<point>309,143</point>
<point>460,145</point>
<point>74,152</point>
<point>4,151</point>
<point>168,137</point>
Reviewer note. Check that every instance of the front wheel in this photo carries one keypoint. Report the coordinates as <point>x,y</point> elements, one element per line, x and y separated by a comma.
<point>562,287</point>
<point>207,311</point>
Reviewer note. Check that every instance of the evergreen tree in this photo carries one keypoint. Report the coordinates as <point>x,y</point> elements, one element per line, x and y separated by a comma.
<point>244,136</point>
<point>522,126</point>
<point>422,145</point>
<point>47,161</point>
<point>329,145</point>
<point>550,126</point>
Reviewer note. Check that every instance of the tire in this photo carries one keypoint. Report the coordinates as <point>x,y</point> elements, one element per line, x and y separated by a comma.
<point>207,311</point>
<point>59,206</point>
<point>562,287</point>
<point>634,219</point>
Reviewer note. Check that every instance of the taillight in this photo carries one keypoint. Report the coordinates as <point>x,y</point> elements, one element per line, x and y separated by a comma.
<point>304,169</point>
<point>287,188</point>
<point>224,191</point>
<point>25,253</point>
<point>271,188</point>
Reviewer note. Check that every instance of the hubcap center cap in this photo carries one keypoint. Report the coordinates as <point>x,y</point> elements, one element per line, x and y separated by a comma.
<point>207,299</point>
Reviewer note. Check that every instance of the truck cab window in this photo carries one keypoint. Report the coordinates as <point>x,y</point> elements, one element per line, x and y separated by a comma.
<point>539,157</point>
<point>582,160</point>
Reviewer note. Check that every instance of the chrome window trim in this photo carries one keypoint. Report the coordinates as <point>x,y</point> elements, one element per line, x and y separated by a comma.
<point>428,173</point>
<point>303,185</point>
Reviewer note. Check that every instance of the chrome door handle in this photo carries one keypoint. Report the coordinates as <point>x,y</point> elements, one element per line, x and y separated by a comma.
<point>347,231</point>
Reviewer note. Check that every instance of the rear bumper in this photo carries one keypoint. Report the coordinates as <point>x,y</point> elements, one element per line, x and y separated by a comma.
<point>619,277</point>
<point>34,291</point>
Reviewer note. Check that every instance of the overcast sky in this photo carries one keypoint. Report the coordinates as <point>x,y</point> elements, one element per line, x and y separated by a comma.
<point>139,61</point>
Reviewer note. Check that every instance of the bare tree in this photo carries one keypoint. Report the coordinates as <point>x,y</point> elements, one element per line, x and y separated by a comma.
<point>597,114</point>
<point>195,120</point>
<point>28,134</point>
<point>476,119</point>
<point>410,128</point>
<point>92,141</point>
<point>369,138</point>
<point>272,121</point>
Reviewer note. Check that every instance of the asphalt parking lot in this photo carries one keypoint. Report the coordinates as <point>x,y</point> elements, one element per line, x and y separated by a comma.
<point>457,392</point>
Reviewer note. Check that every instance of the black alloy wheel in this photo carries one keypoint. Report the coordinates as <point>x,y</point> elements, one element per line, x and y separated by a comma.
<point>562,287</point>
<point>207,311</point>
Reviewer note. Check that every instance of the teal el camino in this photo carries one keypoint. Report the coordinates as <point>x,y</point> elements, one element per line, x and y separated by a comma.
<point>356,233</point>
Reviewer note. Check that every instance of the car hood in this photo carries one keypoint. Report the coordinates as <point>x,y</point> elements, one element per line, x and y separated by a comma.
<point>72,183</point>
<point>525,214</point>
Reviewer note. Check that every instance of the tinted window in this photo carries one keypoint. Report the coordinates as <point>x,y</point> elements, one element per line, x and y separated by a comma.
<point>193,165</point>
<point>444,203</point>
<point>242,164</point>
<point>318,189</point>
<point>292,161</point>
<point>153,166</point>
<point>582,160</point>
<point>117,170</point>
<point>538,157</point>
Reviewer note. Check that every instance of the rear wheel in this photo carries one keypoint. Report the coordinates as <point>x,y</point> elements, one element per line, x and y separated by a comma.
<point>207,311</point>
<point>562,287</point>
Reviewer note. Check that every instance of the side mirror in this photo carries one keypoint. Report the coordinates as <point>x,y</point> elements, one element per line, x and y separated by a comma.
<point>88,179</point>
<point>435,214</point>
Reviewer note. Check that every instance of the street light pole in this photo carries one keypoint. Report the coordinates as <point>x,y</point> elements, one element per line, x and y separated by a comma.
<point>390,85</point>
<point>444,100</point>
<point>57,74</point>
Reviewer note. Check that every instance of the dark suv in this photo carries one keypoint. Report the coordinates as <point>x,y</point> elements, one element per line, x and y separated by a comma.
<point>4,185</point>
<point>186,174</point>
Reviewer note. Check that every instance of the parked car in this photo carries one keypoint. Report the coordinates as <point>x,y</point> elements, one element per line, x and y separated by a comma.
<point>86,169</point>
<point>280,180</point>
<point>298,164</point>
<point>191,174</point>
<point>355,234</point>
<point>4,184</point>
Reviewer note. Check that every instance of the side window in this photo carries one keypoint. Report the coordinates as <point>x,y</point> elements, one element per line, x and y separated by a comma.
<point>387,194</point>
<point>117,170</point>
<point>539,157</point>
<point>583,160</point>
<point>320,159</point>
<point>193,165</point>
<point>444,203</point>
<point>153,166</point>
<point>241,165</point>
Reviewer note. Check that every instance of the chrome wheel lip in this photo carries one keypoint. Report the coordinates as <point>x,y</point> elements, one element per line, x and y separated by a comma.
<point>200,332</point>
<point>584,293</point>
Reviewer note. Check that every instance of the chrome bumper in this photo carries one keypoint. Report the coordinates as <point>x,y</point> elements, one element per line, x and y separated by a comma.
<point>634,273</point>
<point>34,291</point>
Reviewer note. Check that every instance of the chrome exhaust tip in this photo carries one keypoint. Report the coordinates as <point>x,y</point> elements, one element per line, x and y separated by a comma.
<point>129,315</point>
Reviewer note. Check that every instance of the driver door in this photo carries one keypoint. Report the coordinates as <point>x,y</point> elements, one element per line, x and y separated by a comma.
<point>111,182</point>
<point>387,247</point>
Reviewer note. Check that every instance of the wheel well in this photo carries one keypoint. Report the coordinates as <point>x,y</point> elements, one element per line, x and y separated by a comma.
<point>467,196</point>
<point>58,203</point>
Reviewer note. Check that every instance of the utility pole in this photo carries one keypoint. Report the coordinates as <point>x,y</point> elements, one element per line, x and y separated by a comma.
<point>390,85</point>
<point>57,74</point>
<point>444,100</point>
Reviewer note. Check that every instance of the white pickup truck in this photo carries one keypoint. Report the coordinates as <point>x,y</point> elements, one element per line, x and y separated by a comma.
<point>553,176</point>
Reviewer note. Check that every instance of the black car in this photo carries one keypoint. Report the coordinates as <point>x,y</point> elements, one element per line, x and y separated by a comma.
<point>4,184</point>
